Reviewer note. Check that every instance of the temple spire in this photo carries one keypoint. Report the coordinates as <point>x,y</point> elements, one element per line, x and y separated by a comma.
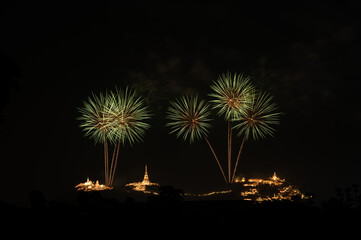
<point>146,178</point>
<point>274,177</point>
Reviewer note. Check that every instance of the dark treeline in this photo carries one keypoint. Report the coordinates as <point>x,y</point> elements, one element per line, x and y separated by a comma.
<point>92,211</point>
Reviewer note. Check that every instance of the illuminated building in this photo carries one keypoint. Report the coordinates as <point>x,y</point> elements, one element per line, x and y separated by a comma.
<point>252,189</point>
<point>91,186</point>
<point>142,186</point>
<point>253,182</point>
<point>273,188</point>
<point>259,190</point>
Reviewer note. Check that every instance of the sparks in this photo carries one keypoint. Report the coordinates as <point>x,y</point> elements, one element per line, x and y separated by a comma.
<point>189,118</point>
<point>232,95</point>
<point>115,117</point>
<point>257,121</point>
<point>128,113</point>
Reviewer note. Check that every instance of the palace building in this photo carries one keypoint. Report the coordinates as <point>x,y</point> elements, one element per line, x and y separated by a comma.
<point>273,188</point>
<point>91,186</point>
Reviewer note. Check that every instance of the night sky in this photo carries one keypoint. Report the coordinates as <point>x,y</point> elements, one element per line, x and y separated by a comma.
<point>54,55</point>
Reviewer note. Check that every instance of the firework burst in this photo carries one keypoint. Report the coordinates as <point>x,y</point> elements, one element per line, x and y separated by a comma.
<point>114,117</point>
<point>128,114</point>
<point>189,118</point>
<point>233,95</point>
<point>257,121</point>
<point>96,119</point>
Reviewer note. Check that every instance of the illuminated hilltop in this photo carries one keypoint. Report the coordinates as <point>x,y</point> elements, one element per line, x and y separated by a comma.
<point>89,186</point>
<point>257,189</point>
<point>252,189</point>
<point>144,185</point>
<point>273,188</point>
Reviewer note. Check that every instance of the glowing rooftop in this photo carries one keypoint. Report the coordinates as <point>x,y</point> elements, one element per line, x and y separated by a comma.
<point>91,186</point>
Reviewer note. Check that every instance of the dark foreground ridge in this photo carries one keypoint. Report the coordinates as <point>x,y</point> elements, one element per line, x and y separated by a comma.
<point>92,211</point>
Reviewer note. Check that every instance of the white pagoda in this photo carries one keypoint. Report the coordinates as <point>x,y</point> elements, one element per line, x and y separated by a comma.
<point>142,186</point>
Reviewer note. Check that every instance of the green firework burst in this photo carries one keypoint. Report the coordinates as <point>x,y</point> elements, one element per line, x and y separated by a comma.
<point>257,121</point>
<point>233,95</point>
<point>128,113</point>
<point>96,119</point>
<point>115,116</point>
<point>189,118</point>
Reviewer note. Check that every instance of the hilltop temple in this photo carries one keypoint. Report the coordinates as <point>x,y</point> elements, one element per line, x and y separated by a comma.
<point>252,189</point>
<point>259,190</point>
<point>273,188</point>
<point>253,182</point>
<point>91,186</point>
<point>142,186</point>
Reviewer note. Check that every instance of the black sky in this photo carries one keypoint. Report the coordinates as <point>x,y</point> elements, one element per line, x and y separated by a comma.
<point>54,54</point>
